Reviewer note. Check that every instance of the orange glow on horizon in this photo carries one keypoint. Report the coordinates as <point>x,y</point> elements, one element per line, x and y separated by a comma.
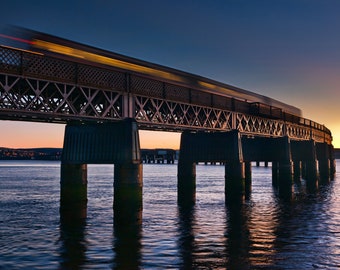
<point>35,135</point>
<point>31,135</point>
<point>336,135</point>
<point>159,139</point>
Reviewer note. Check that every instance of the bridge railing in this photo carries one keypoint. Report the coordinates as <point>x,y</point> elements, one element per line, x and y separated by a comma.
<point>157,102</point>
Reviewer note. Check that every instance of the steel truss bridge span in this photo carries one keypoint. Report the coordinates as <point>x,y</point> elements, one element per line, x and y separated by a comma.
<point>36,87</point>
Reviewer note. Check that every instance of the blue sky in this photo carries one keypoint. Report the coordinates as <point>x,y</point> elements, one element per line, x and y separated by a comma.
<point>284,49</point>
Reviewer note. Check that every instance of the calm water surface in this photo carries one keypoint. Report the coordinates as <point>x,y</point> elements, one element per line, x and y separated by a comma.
<point>265,232</point>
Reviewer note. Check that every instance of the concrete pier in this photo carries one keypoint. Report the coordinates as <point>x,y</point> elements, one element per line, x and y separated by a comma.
<point>186,182</point>
<point>186,172</point>
<point>234,179</point>
<point>304,156</point>
<point>284,158</point>
<point>128,184</point>
<point>235,168</point>
<point>101,143</point>
<point>275,150</point>
<point>275,170</point>
<point>285,176</point>
<point>73,184</point>
<point>214,147</point>
<point>325,155</point>
<point>118,144</point>
<point>247,173</point>
<point>297,167</point>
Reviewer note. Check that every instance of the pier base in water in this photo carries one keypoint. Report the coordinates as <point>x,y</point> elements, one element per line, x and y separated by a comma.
<point>234,179</point>
<point>101,143</point>
<point>128,185</point>
<point>73,183</point>
<point>186,183</point>
<point>211,147</point>
<point>247,182</point>
<point>285,176</point>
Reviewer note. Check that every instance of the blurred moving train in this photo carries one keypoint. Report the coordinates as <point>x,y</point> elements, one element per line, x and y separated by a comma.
<point>241,100</point>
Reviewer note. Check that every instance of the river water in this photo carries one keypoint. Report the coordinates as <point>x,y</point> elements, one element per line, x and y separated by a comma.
<point>266,231</point>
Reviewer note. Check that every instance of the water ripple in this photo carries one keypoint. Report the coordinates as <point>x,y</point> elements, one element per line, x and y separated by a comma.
<point>264,232</point>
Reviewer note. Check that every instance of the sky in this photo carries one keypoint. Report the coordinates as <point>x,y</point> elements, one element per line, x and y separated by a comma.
<point>288,50</point>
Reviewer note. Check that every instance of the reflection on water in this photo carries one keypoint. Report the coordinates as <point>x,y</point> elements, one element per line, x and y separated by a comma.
<point>237,236</point>
<point>186,235</point>
<point>72,236</point>
<point>268,230</point>
<point>127,230</point>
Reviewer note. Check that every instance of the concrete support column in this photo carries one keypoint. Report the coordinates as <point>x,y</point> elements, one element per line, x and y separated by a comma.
<point>303,169</point>
<point>186,182</point>
<point>324,168</point>
<point>247,171</point>
<point>128,187</point>
<point>324,155</point>
<point>275,171</point>
<point>311,175</point>
<point>311,170</point>
<point>128,174</point>
<point>285,164</point>
<point>332,167</point>
<point>297,169</point>
<point>73,188</point>
<point>235,169</point>
<point>284,182</point>
<point>234,178</point>
<point>311,164</point>
<point>128,184</point>
<point>128,208</point>
<point>186,168</point>
<point>282,167</point>
<point>285,172</point>
<point>102,143</point>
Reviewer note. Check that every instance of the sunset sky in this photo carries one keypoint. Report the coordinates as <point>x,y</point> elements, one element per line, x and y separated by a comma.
<point>285,49</point>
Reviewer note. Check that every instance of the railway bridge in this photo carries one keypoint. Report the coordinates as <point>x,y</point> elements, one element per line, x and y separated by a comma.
<point>104,99</point>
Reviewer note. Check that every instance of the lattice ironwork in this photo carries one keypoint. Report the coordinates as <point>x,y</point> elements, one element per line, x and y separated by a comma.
<point>298,132</point>
<point>10,60</point>
<point>32,97</point>
<point>249,124</point>
<point>151,112</point>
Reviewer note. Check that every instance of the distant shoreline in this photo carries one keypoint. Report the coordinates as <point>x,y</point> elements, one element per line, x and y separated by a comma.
<point>45,153</point>
<point>30,153</point>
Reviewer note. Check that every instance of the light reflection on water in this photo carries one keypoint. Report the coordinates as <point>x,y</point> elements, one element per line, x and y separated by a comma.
<point>265,232</point>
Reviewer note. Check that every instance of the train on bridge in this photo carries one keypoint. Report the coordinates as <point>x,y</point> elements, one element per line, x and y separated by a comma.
<point>241,100</point>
